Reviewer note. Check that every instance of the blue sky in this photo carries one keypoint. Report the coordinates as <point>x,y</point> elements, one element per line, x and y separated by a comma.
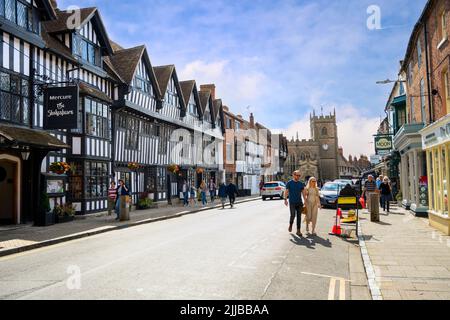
<point>281,58</point>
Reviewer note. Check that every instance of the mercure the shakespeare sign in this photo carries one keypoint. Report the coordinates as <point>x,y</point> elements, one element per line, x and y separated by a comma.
<point>61,108</point>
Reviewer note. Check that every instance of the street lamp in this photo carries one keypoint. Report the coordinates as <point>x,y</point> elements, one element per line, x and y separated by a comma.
<point>387,81</point>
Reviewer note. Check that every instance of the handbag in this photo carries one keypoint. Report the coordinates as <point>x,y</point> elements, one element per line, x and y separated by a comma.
<point>305,210</point>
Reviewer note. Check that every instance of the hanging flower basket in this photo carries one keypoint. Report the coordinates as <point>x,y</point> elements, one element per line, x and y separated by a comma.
<point>173,168</point>
<point>60,167</point>
<point>200,171</point>
<point>133,166</point>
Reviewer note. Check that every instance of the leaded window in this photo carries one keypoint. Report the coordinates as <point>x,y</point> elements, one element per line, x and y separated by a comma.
<point>14,98</point>
<point>97,119</point>
<point>132,134</point>
<point>86,50</point>
<point>97,179</point>
<point>172,95</point>
<point>21,13</point>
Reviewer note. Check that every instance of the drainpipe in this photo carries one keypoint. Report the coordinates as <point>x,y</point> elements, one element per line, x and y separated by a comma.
<point>430,101</point>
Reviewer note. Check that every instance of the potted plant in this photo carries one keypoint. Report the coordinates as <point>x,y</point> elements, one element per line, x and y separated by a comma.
<point>59,167</point>
<point>145,202</point>
<point>64,213</point>
<point>133,166</point>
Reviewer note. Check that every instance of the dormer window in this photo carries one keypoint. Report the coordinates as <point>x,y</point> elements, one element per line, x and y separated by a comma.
<point>192,106</point>
<point>22,14</point>
<point>86,50</point>
<point>171,94</point>
<point>143,85</point>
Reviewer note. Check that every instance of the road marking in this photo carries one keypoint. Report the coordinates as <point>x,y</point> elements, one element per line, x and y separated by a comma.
<point>332,289</point>
<point>325,276</point>
<point>342,289</point>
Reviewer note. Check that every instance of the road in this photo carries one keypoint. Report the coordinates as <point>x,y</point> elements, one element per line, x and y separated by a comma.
<point>242,253</point>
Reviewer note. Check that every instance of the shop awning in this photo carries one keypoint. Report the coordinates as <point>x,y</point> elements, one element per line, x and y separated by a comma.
<point>399,101</point>
<point>30,138</point>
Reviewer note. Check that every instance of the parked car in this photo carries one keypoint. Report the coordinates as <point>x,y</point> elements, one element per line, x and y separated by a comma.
<point>330,193</point>
<point>275,189</point>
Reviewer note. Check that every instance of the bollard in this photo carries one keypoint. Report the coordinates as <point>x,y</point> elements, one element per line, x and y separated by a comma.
<point>124,208</point>
<point>374,200</point>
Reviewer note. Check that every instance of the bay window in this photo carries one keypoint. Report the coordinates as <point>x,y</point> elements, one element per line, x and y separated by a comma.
<point>97,119</point>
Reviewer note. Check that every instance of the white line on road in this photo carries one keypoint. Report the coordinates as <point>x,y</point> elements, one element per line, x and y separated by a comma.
<point>332,289</point>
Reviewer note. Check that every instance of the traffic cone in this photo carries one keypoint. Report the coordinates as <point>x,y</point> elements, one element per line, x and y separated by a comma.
<point>337,230</point>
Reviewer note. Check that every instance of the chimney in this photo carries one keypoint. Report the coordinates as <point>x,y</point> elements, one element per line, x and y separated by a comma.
<point>211,88</point>
<point>54,4</point>
<point>252,120</point>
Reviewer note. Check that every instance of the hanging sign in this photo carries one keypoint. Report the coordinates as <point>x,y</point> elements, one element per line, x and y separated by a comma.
<point>61,108</point>
<point>383,145</point>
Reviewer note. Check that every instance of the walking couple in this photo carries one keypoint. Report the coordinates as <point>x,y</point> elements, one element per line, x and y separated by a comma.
<point>295,190</point>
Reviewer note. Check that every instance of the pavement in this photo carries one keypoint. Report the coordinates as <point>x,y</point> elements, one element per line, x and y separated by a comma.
<point>14,239</point>
<point>244,253</point>
<point>410,260</point>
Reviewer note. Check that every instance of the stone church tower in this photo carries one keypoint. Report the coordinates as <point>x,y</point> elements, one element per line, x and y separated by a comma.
<point>319,156</point>
<point>324,132</point>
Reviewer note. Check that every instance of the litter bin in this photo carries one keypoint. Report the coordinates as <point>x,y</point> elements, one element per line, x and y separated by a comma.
<point>374,207</point>
<point>124,208</point>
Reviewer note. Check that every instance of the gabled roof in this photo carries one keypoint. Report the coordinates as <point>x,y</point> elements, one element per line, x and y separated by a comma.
<point>126,61</point>
<point>163,75</point>
<point>187,88</point>
<point>205,97</point>
<point>48,6</point>
<point>217,106</point>
<point>63,19</point>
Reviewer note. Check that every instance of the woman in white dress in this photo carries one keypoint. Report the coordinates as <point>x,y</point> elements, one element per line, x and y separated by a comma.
<point>312,204</point>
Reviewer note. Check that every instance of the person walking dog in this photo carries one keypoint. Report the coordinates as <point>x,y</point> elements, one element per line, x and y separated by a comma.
<point>294,191</point>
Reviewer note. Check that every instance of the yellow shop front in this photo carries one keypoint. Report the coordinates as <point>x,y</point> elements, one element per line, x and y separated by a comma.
<point>436,143</point>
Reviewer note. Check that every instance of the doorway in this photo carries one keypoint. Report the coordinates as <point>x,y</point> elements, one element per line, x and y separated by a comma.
<point>8,194</point>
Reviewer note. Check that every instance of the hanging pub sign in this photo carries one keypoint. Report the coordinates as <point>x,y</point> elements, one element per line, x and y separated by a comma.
<point>61,107</point>
<point>383,145</point>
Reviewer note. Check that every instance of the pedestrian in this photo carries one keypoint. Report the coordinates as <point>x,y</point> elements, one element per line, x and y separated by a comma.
<point>193,198</point>
<point>223,194</point>
<point>379,182</point>
<point>122,190</point>
<point>386,194</point>
<point>232,192</point>
<point>294,191</point>
<point>312,203</point>
<point>112,198</point>
<point>370,187</point>
<point>203,189</point>
<point>212,190</point>
<point>185,194</point>
<point>261,186</point>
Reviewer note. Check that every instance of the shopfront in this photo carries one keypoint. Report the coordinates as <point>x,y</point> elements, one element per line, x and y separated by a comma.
<point>413,169</point>
<point>436,142</point>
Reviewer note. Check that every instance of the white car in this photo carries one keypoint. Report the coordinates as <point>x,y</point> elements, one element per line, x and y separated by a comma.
<point>274,189</point>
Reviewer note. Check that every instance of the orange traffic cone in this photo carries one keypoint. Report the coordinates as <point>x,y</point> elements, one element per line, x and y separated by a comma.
<point>337,230</point>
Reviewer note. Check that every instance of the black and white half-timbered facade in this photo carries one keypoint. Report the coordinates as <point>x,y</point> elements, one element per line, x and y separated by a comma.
<point>127,112</point>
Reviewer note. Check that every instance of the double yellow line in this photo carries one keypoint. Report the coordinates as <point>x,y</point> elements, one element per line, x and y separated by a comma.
<point>332,288</point>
